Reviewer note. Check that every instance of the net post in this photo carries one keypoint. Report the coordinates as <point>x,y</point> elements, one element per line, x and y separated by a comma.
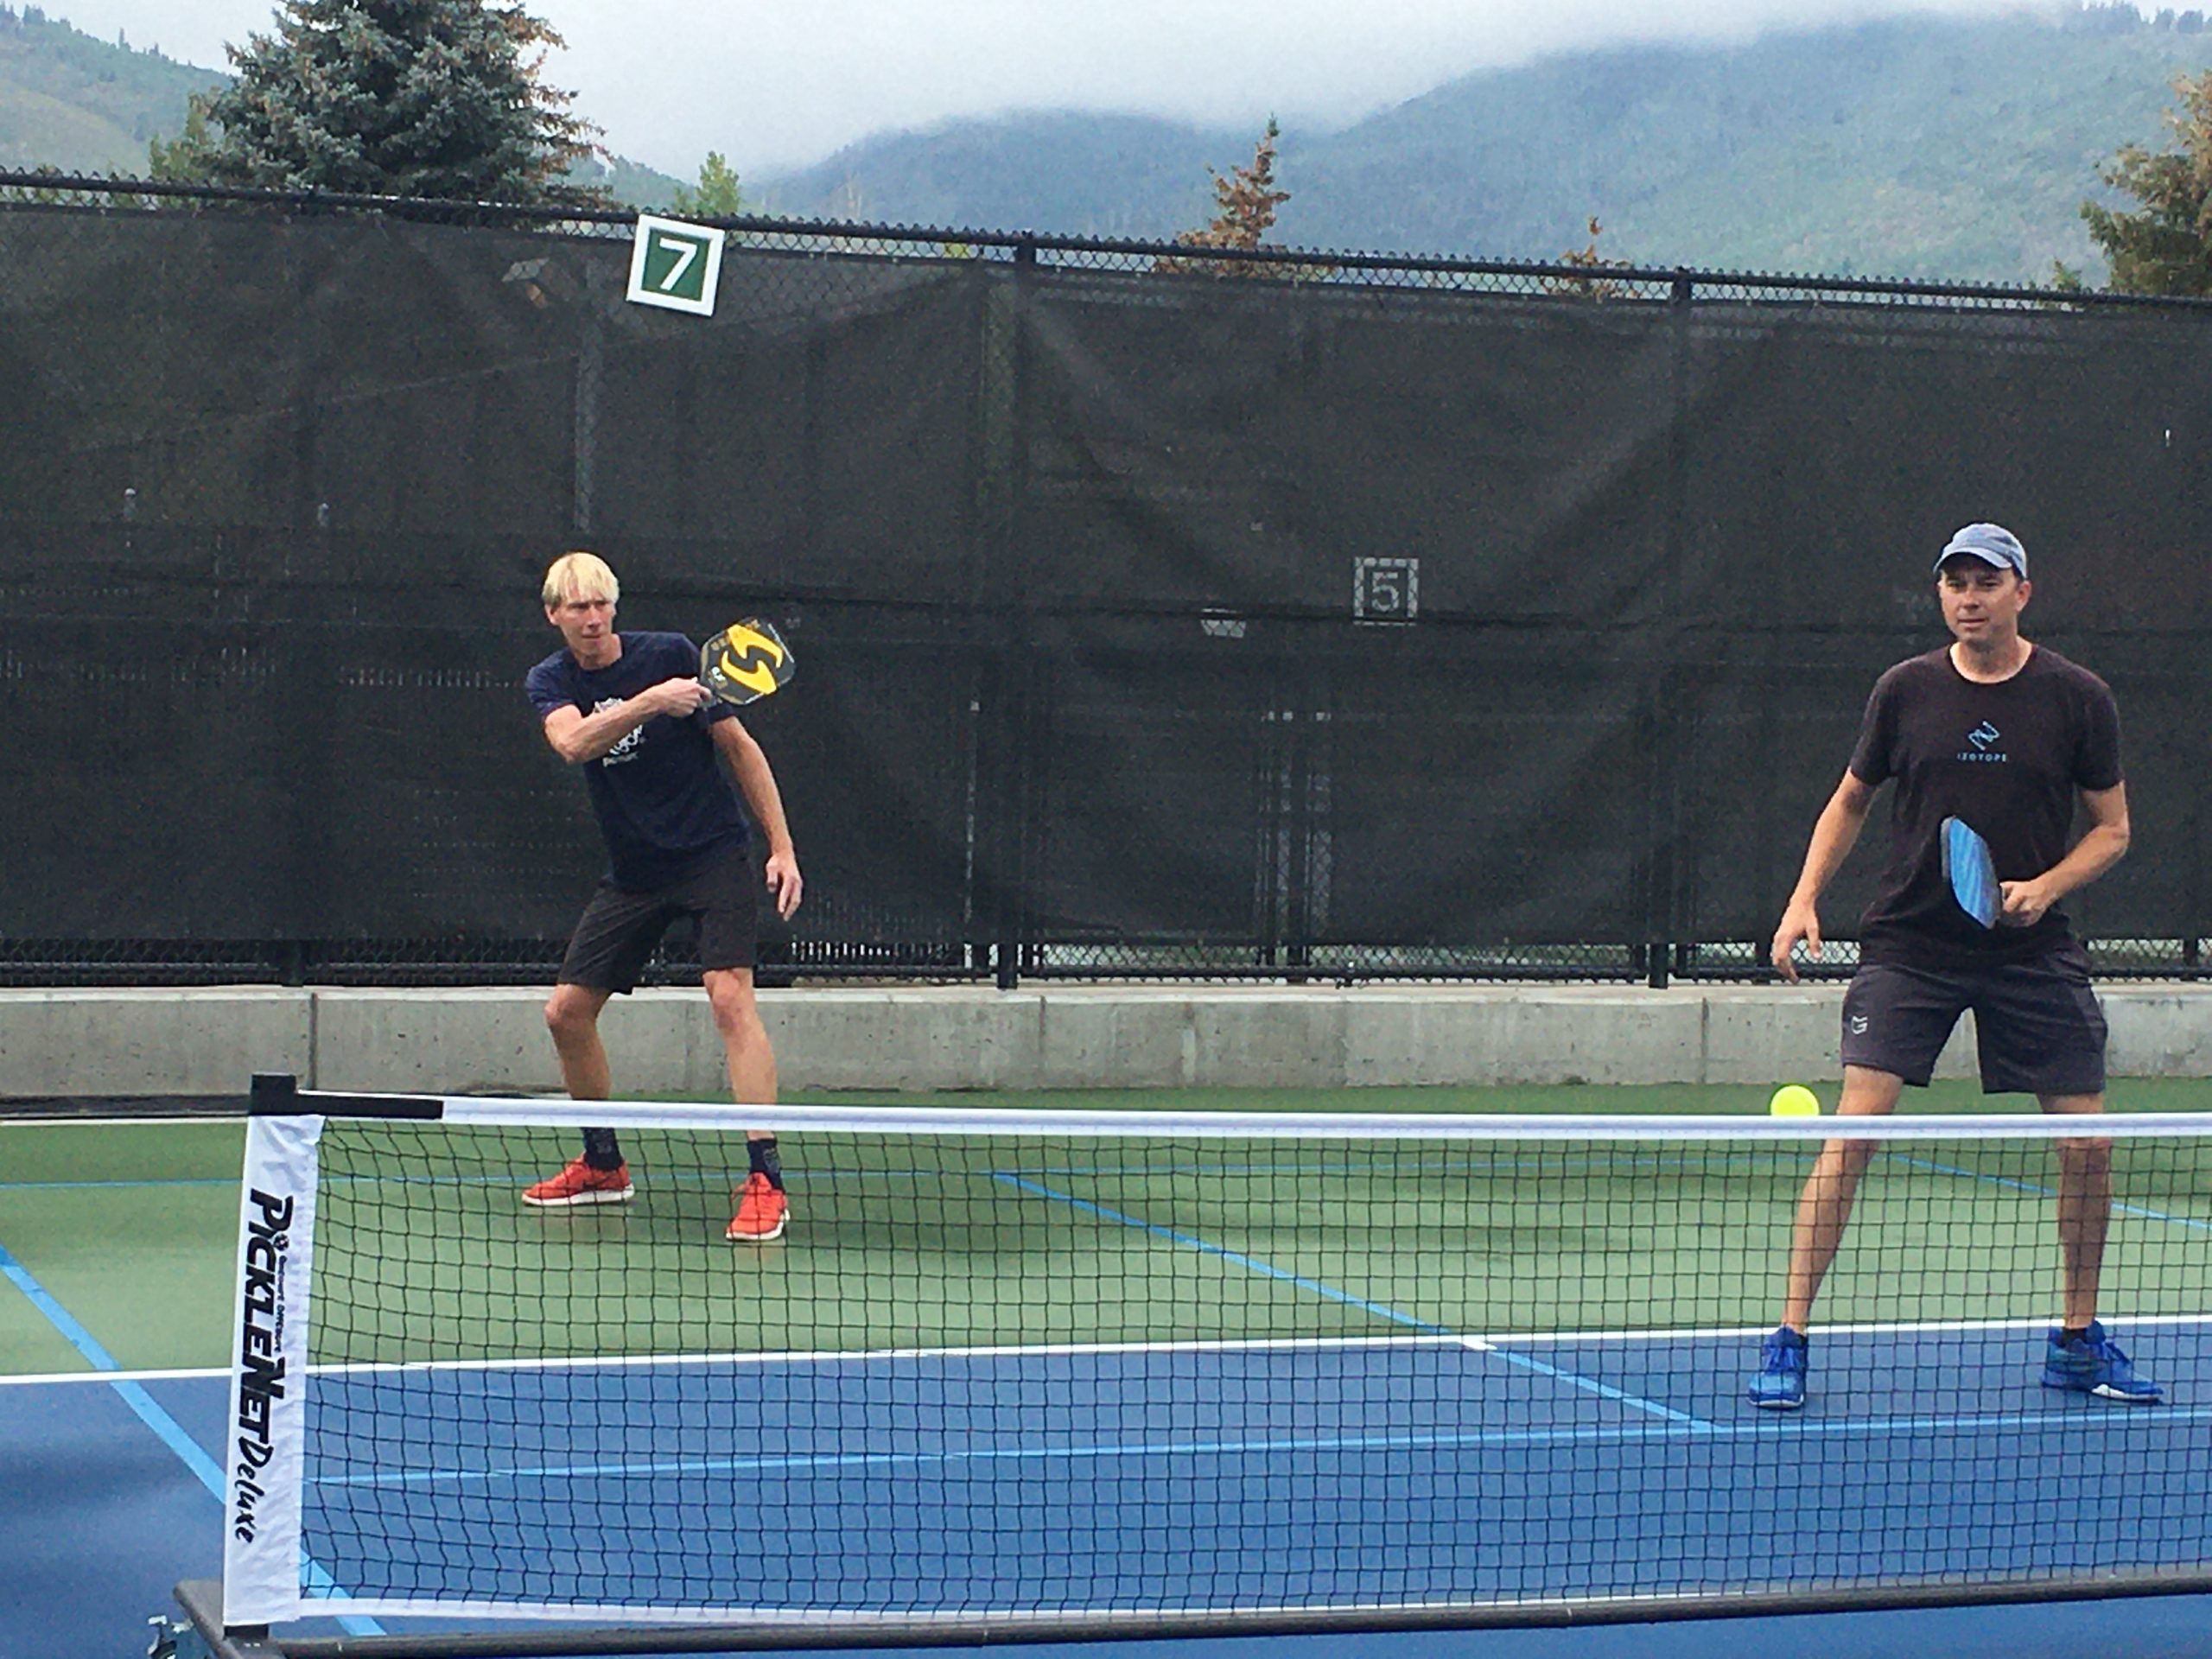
<point>274,1094</point>
<point>202,1600</point>
<point>264,1453</point>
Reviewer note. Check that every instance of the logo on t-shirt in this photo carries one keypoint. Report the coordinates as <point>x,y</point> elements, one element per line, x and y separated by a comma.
<point>1982,737</point>
<point>627,749</point>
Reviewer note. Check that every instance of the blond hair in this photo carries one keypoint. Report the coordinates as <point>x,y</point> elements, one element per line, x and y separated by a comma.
<point>579,575</point>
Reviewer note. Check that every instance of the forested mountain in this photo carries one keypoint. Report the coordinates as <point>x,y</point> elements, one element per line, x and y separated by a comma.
<point>1914,146</point>
<point>1905,146</point>
<point>68,100</point>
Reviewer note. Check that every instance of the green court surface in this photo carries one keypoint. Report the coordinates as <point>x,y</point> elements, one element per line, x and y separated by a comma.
<point>961,1241</point>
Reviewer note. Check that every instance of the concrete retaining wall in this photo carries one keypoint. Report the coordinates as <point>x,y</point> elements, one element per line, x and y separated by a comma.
<point>208,1042</point>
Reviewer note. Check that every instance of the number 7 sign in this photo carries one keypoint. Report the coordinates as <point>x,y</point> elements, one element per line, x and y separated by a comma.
<point>675,265</point>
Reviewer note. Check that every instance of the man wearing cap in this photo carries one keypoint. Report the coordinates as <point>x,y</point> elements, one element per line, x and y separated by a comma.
<point>2006,735</point>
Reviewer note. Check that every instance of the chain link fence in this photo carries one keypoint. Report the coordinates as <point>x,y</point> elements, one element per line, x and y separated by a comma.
<point>1164,613</point>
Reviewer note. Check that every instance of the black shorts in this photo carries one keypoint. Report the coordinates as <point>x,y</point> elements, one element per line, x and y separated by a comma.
<point>2036,1023</point>
<point>620,928</point>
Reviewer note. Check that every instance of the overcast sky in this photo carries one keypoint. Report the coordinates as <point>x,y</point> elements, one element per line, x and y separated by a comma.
<point>778,86</point>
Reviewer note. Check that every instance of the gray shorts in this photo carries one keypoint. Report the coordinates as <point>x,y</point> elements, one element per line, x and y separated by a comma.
<point>2036,1023</point>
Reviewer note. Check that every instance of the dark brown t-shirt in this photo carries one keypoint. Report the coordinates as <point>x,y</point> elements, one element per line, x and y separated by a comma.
<point>2010,760</point>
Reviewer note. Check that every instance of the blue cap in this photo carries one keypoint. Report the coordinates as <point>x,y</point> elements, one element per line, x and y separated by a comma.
<point>1992,544</point>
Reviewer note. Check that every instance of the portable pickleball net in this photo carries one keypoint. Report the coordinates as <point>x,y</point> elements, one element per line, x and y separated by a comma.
<point>1053,1374</point>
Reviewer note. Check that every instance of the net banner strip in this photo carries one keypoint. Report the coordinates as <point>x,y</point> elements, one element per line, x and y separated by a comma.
<point>910,1118</point>
<point>1237,1126</point>
<point>266,1456</point>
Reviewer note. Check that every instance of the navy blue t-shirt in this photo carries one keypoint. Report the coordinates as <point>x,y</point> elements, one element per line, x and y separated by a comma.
<point>663,803</point>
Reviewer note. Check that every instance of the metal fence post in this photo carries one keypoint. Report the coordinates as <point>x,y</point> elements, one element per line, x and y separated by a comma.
<point>1007,752</point>
<point>1670,859</point>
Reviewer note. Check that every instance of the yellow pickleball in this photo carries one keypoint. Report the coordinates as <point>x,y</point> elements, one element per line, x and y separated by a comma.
<point>1794,1100</point>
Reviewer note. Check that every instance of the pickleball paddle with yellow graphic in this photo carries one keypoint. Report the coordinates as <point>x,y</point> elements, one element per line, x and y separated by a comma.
<point>745,662</point>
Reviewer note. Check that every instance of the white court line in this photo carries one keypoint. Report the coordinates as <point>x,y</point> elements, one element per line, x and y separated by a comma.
<point>47,1120</point>
<point>105,1377</point>
<point>1680,1430</point>
<point>1048,1351</point>
<point>1930,1327</point>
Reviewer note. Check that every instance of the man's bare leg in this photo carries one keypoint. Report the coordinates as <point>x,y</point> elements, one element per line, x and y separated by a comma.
<point>751,1061</point>
<point>2082,1358</point>
<point>1824,1207</point>
<point>599,1177</point>
<point>750,1058</point>
<point>572,1015</point>
<point>2084,1211</point>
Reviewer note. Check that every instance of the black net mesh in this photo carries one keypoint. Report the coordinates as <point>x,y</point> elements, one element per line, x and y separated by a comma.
<point>1031,1370</point>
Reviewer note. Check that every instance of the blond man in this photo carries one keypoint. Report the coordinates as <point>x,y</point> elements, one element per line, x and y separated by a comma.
<point>628,710</point>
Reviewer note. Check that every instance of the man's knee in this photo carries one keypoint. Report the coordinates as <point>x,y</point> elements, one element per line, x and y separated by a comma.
<point>737,1014</point>
<point>571,1011</point>
<point>1837,1171</point>
<point>2082,1152</point>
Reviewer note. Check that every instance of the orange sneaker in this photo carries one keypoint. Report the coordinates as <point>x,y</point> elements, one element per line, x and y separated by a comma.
<point>761,1213</point>
<point>581,1183</point>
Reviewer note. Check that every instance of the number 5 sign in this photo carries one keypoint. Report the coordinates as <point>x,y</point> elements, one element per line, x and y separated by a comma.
<point>675,265</point>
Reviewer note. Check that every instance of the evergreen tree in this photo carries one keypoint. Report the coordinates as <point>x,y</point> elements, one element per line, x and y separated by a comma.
<point>2167,247</point>
<point>183,159</point>
<point>1584,287</point>
<point>1245,203</point>
<point>717,194</point>
<point>412,97</point>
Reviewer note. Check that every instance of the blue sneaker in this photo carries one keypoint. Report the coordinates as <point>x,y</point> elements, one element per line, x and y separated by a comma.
<point>1780,1384</point>
<point>2094,1364</point>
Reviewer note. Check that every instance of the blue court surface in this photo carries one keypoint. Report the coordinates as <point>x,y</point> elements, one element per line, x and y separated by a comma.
<point>1328,1474</point>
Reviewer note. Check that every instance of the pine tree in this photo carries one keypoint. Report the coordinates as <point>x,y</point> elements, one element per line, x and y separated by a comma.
<point>1585,259</point>
<point>414,98</point>
<point>1244,213</point>
<point>2167,247</point>
<point>183,159</point>
<point>717,194</point>
<point>1247,201</point>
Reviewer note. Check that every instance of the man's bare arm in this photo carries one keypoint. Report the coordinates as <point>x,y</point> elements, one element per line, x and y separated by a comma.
<point>1835,832</point>
<point>756,779</point>
<point>577,737</point>
<point>2102,846</point>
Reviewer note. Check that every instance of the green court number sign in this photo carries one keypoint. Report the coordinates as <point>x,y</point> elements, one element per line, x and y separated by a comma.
<point>675,265</point>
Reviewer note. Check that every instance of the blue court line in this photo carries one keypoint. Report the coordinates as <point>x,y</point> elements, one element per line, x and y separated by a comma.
<point>1236,1258</point>
<point>2051,1192</point>
<point>1766,1428</point>
<point>149,1411</point>
<point>1591,1385</point>
<point>1605,1155</point>
<point>1268,1269</point>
